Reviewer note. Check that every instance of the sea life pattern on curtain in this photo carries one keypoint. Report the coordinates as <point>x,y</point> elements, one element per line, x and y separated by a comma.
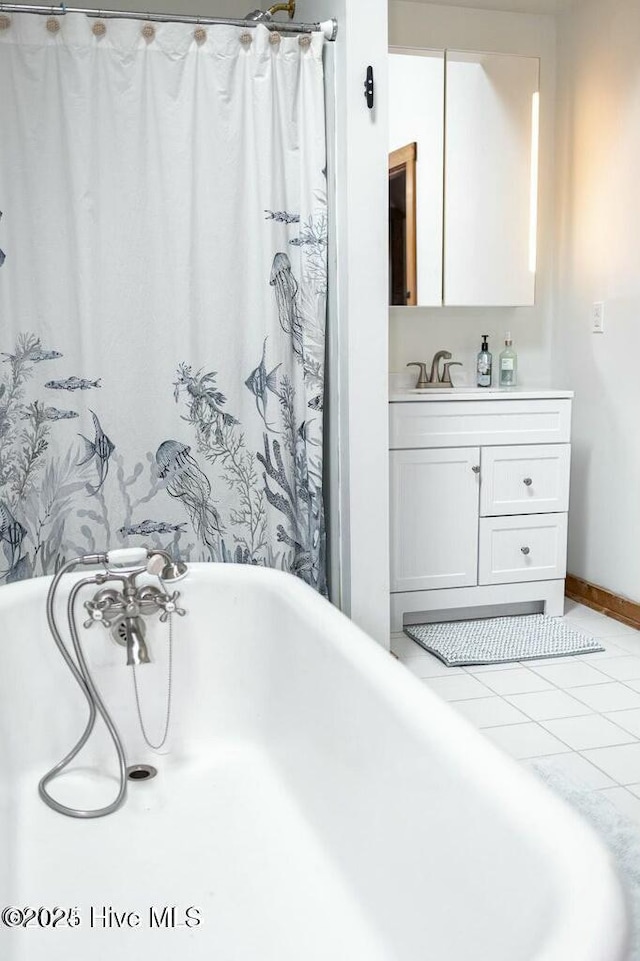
<point>282,217</point>
<point>98,451</point>
<point>259,382</point>
<point>71,383</point>
<point>60,501</point>
<point>162,310</point>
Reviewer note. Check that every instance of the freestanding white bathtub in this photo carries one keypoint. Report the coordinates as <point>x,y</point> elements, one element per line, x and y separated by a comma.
<point>315,802</point>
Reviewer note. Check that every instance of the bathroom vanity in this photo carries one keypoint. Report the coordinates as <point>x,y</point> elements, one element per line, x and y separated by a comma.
<point>479,499</point>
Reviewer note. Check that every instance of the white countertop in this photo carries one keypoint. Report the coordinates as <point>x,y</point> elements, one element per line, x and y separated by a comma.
<point>404,395</point>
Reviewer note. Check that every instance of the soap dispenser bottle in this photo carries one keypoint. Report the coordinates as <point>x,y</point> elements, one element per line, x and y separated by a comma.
<point>484,364</point>
<point>508,364</point>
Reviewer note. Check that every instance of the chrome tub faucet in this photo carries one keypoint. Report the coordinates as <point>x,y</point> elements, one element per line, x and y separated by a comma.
<point>123,612</point>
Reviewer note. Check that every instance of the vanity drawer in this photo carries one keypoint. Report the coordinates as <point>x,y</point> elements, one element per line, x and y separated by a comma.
<point>522,548</point>
<point>530,479</point>
<point>474,423</point>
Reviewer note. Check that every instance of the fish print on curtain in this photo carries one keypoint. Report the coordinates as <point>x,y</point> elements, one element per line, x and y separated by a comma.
<point>43,490</point>
<point>235,477</point>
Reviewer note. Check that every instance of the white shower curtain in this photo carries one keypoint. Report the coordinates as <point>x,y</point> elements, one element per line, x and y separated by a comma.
<point>162,293</point>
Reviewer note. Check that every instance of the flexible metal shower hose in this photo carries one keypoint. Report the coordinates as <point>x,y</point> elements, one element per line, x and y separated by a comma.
<point>96,705</point>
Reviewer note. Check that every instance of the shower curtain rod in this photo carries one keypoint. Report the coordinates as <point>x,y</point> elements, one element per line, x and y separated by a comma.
<point>328,27</point>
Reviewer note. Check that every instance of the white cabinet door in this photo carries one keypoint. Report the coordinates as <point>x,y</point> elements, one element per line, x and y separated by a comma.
<point>531,479</point>
<point>434,518</point>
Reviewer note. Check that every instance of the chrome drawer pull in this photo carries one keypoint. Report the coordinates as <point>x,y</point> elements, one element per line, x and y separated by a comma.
<point>525,550</point>
<point>528,481</point>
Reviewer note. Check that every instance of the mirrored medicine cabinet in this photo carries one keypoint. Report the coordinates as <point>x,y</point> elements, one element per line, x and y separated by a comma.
<point>463,178</point>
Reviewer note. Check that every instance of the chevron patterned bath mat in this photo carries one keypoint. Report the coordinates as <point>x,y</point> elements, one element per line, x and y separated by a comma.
<point>496,640</point>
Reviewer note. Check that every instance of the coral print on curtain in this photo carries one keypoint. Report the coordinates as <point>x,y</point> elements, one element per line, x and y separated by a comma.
<point>163,280</point>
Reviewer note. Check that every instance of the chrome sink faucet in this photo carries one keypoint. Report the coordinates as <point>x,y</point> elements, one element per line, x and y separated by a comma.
<point>435,378</point>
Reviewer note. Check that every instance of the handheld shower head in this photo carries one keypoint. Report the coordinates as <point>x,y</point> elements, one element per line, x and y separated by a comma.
<point>163,566</point>
<point>174,571</point>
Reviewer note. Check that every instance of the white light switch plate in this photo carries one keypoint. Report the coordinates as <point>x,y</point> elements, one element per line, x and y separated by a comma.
<point>597,317</point>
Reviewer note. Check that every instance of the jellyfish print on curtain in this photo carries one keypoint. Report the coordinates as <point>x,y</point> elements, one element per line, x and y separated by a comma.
<point>163,280</point>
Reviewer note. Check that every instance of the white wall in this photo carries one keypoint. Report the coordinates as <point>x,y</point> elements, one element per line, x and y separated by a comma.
<point>416,332</point>
<point>599,260</point>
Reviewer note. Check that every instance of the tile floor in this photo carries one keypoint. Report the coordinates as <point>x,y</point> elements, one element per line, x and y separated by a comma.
<point>579,715</point>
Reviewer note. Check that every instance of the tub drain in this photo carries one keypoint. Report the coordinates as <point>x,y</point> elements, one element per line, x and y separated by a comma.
<point>141,772</point>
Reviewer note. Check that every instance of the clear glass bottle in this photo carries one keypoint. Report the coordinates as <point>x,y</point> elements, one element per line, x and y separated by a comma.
<point>508,364</point>
<point>484,364</point>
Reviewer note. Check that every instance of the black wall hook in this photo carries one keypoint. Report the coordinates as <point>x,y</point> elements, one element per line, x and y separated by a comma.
<point>368,88</point>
